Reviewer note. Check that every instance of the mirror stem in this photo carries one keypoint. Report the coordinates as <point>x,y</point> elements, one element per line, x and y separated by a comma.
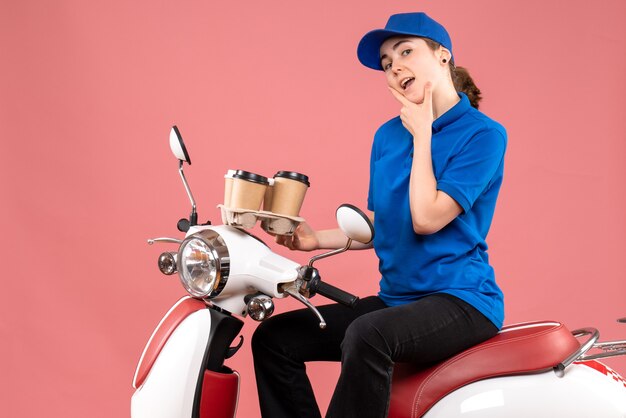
<point>328,254</point>
<point>193,218</point>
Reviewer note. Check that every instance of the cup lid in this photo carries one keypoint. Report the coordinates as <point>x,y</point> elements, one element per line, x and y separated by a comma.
<point>246,175</point>
<point>292,175</point>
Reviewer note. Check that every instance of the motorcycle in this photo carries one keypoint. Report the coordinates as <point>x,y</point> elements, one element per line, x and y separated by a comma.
<point>535,369</point>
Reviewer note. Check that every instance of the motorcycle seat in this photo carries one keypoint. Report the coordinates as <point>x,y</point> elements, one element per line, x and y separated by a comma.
<point>523,348</point>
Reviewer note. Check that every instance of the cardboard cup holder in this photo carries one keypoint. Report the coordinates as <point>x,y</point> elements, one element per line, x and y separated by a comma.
<point>281,197</point>
<point>270,222</point>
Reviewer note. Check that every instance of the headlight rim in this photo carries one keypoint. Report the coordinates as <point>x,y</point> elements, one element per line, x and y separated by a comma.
<point>218,251</point>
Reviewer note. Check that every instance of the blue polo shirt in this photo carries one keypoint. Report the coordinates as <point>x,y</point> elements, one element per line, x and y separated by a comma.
<point>468,155</point>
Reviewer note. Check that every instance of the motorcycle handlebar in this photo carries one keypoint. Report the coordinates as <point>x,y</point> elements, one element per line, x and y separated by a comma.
<point>336,294</point>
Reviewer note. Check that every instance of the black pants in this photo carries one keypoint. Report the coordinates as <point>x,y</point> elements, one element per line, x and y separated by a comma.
<point>368,340</point>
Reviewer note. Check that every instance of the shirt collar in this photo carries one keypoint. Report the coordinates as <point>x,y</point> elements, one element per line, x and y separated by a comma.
<point>452,114</point>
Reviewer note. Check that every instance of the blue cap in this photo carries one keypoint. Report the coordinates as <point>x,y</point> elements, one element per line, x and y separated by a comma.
<point>409,24</point>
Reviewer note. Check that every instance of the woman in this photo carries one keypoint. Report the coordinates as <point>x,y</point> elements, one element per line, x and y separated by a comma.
<point>435,174</point>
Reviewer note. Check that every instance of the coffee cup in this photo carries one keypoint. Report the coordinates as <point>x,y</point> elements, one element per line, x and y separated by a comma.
<point>228,186</point>
<point>248,190</point>
<point>288,192</point>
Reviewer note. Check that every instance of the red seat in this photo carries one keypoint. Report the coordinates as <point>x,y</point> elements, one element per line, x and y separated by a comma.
<point>517,349</point>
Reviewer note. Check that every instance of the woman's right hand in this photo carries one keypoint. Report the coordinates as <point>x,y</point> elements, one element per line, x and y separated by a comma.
<point>303,239</point>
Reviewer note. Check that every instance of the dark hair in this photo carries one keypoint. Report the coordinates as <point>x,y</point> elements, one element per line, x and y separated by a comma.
<point>460,77</point>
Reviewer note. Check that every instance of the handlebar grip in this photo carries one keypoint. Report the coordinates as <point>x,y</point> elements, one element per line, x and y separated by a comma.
<point>336,294</point>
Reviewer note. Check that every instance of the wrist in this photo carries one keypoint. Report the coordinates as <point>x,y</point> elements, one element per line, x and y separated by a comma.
<point>330,239</point>
<point>316,241</point>
<point>422,135</point>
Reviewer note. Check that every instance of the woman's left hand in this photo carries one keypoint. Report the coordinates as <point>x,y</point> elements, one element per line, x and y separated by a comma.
<point>416,118</point>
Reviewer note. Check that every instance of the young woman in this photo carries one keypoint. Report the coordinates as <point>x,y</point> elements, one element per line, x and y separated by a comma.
<point>435,174</point>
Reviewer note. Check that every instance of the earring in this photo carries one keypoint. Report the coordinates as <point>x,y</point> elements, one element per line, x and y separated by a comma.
<point>445,60</point>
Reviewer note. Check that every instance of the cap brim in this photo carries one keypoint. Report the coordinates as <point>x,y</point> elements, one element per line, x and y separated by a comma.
<point>368,50</point>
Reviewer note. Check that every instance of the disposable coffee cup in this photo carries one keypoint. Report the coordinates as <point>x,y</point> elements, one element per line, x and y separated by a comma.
<point>288,192</point>
<point>228,186</point>
<point>267,199</point>
<point>248,190</point>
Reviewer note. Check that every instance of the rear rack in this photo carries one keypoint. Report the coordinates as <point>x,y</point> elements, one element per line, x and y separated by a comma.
<point>607,348</point>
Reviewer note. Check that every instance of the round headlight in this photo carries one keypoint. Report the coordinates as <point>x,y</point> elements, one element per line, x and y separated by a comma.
<point>203,264</point>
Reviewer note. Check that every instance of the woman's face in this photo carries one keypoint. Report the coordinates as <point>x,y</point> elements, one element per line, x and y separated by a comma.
<point>408,63</point>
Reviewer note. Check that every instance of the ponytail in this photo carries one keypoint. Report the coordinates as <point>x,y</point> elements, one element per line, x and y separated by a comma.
<point>464,82</point>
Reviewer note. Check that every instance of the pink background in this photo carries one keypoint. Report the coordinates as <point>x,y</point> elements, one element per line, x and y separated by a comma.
<point>89,91</point>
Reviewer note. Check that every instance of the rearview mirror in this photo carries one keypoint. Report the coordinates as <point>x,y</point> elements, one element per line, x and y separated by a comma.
<point>178,146</point>
<point>180,151</point>
<point>355,224</point>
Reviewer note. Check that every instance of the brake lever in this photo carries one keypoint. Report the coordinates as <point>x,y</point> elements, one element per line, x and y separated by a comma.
<point>291,290</point>
<point>170,240</point>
